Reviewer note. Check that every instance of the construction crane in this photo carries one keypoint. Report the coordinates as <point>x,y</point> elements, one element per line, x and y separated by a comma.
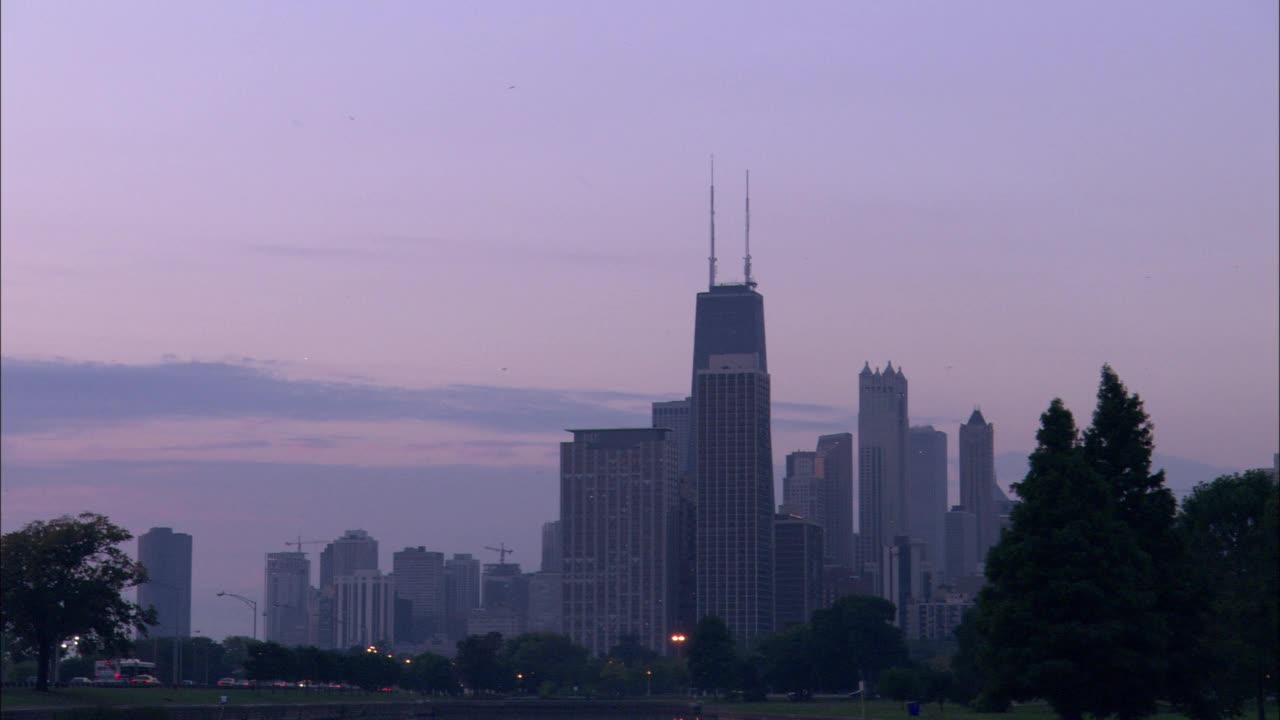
<point>502,550</point>
<point>300,542</point>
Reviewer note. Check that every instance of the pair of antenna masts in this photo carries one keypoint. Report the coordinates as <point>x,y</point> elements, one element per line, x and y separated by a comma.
<point>746,260</point>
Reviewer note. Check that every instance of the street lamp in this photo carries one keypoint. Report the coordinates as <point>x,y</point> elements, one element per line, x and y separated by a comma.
<point>648,686</point>
<point>253,605</point>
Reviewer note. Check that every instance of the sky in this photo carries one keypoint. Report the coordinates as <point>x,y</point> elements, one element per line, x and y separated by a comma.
<point>282,269</point>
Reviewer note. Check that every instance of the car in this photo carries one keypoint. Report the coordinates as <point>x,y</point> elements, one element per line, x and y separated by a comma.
<point>188,683</point>
<point>246,683</point>
<point>80,681</point>
<point>144,680</point>
<point>227,682</point>
<point>279,683</point>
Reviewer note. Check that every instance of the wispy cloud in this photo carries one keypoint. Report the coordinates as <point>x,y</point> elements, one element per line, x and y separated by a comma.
<point>41,395</point>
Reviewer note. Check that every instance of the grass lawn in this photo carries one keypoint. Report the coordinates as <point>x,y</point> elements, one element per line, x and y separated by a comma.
<point>890,710</point>
<point>95,696</point>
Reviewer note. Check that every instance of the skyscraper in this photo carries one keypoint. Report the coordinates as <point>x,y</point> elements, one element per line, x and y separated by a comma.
<point>364,608</point>
<point>462,592</point>
<point>551,547</point>
<point>834,464</point>
<point>882,466</point>
<point>355,550</point>
<point>803,495</point>
<point>798,570</point>
<point>286,581</point>
<point>978,480</point>
<point>674,415</point>
<point>418,575</point>
<point>732,449</point>
<point>167,557</point>
<point>961,558</point>
<point>927,482</point>
<point>618,505</point>
<point>735,495</point>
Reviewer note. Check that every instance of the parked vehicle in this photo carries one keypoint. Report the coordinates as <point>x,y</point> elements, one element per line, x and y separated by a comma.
<point>80,681</point>
<point>227,682</point>
<point>144,680</point>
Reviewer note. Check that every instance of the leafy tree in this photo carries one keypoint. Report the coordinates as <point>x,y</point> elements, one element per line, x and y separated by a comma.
<point>235,652</point>
<point>787,660</point>
<point>855,639</point>
<point>430,674</point>
<point>62,578</point>
<point>546,658</point>
<point>1067,610</point>
<point>269,661</point>
<point>1230,526</point>
<point>312,663</point>
<point>75,667</point>
<point>631,653</point>
<point>902,683</point>
<point>712,655</point>
<point>480,663</point>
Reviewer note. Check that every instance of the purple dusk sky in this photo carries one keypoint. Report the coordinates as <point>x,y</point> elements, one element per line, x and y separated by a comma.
<point>274,268</point>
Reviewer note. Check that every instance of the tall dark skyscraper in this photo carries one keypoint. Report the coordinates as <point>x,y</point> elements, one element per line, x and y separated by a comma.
<point>552,547</point>
<point>978,480</point>
<point>618,506</point>
<point>355,550</point>
<point>462,593</point>
<point>418,576</point>
<point>167,557</point>
<point>675,416</point>
<point>927,481</point>
<point>798,571</point>
<point>733,453</point>
<point>287,585</point>
<point>882,465</point>
<point>834,464</point>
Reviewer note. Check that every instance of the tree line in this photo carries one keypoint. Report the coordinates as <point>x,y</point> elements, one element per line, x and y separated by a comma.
<point>1105,598</point>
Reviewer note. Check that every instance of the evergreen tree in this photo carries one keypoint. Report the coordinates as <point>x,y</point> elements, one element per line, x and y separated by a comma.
<point>1118,447</point>
<point>1066,612</point>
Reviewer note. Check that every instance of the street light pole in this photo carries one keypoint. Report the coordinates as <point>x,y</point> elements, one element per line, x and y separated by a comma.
<point>253,605</point>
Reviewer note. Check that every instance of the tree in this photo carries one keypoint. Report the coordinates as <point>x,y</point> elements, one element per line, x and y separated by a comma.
<point>1118,447</point>
<point>855,639</point>
<point>787,659</point>
<point>269,661</point>
<point>480,663</point>
<point>1067,610</point>
<point>63,578</point>
<point>430,674</point>
<point>902,683</point>
<point>546,658</point>
<point>1230,526</point>
<point>712,655</point>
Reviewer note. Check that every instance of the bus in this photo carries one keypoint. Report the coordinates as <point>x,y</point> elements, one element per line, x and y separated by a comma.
<point>120,671</point>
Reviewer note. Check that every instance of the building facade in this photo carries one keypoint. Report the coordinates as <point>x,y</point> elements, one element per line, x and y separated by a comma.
<point>735,495</point>
<point>978,480</point>
<point>419,578</point>
<point>462,593</point>
<point>618,509</point>
<point>355,550</point>
<point>364,604</point>
<point>961,555</point>
<point>798,570</point>
<point>546,602</point>
<point>287,585</point>
<point>907,576</point>
<point>834,465</point>
<point>883,495</point>
<point>927,483</point>
<point>552,552</point>
<point>167,557</point>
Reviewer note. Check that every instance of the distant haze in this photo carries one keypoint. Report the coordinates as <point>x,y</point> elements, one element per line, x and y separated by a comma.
<point>296,268</point>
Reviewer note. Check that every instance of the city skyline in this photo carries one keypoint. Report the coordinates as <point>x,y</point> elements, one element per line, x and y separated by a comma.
<point>247,306</point>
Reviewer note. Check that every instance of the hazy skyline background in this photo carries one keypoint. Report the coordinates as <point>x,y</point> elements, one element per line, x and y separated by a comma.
<point>281,268</point>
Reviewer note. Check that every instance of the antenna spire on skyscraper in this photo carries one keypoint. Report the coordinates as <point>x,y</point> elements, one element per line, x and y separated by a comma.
<point>711,261</point>
<point>746,260</point>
